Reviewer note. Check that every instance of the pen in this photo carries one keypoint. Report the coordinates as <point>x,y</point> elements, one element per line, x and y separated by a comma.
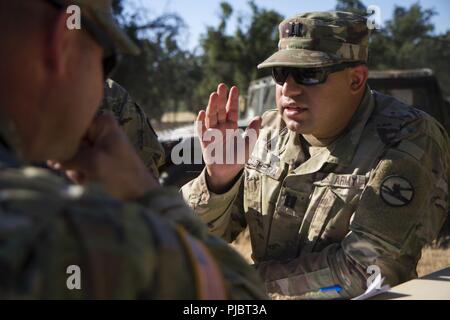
<point>336,288</point>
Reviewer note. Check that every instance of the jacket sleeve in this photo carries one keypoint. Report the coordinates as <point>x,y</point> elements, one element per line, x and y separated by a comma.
<point>222,213</point>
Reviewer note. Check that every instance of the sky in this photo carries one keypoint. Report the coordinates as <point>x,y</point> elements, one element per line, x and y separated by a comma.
<point>198,14</point>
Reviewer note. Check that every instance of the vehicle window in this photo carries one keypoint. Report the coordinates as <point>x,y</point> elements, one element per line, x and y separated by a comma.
<point>269,99</point>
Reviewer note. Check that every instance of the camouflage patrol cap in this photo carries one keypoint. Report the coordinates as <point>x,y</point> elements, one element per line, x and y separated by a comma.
<point>100,13</point>
<point>319,39</point>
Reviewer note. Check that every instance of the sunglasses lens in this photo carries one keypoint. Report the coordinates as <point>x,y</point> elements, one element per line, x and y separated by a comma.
<point>308,77</point>
<point>280,74</point>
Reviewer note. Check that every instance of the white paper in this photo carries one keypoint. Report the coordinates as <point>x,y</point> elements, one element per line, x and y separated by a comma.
<point>373,290</point>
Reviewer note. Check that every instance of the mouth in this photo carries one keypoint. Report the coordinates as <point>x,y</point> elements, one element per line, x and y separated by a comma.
<point>293,110</point>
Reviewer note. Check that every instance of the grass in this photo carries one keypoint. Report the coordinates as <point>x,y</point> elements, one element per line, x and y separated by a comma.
<point>433,259</point>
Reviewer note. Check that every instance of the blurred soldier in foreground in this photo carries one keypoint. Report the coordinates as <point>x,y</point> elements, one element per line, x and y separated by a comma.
<point>342,182</point>
<point>134,122</point>
<point>129,237</point>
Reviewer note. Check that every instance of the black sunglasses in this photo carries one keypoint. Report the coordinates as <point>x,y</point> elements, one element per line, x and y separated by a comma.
<point>308,76</point>
<point>111,57</point>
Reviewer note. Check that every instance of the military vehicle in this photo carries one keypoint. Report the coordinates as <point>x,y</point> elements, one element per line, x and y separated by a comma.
<point>418,87</point>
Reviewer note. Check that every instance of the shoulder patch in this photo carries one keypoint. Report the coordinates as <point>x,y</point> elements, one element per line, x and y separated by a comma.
<point>396,191</point>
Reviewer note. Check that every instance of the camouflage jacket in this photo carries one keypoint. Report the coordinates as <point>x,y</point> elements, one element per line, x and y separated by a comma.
<point>135,123</point>
<point>375,196</point>
<point>153,248</point>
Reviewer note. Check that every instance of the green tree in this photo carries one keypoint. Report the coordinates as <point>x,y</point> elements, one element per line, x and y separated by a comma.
<point>232,58</point>
<point>396,45</point>
<point>255,41</point>
<point>218,59</point>
<point>355,6</point>
<point>407,42</point>
<point>163,76</point>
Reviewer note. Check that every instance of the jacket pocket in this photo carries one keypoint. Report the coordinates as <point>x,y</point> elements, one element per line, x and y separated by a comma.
<point>287,219</point>
<point>332,206</point>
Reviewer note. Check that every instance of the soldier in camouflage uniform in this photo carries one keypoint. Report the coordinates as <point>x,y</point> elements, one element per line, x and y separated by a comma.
<point>341,178</point>
<point>130,238</point>
<point>135,123</point>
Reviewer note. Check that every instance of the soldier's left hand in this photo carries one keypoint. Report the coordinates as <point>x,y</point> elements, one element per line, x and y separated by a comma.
<point>107,157</point>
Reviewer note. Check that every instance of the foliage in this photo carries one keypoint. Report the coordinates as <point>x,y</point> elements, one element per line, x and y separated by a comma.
<point>407,42</point>
<point>232,59</point>
<point>167,77</point>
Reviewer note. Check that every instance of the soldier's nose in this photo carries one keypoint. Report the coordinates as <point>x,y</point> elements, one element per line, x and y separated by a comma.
<point>291,88</point>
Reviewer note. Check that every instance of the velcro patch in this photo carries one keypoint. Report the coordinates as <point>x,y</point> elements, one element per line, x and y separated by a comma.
<point>396,191</point>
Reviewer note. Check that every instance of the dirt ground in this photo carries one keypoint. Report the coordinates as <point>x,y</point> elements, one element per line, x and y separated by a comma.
<point>434,257</point>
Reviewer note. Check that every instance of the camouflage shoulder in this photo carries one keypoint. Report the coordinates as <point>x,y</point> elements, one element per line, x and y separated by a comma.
<point>273,136</point>
<point>48,226</point>
<point>115,99</point>
<point>269,117</point>
<point>135,123</point>
<point>396,121</point>
<point>273,123</point>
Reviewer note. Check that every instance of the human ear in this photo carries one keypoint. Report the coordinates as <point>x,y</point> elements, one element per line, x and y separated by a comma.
<point>358,77</point>
<point>58,45</point>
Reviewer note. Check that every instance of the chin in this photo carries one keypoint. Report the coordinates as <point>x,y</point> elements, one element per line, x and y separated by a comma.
<point>296,126</point>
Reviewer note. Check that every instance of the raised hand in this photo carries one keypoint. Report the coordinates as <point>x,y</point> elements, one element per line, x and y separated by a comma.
<point>225,154</point>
